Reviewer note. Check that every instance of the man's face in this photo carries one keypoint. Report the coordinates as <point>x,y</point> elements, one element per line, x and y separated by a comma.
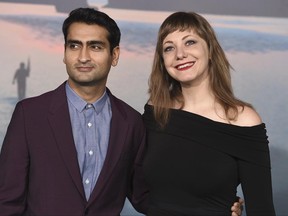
<point>87,55</point>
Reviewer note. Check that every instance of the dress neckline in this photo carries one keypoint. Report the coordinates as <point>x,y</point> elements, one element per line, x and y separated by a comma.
<point>204,119</point>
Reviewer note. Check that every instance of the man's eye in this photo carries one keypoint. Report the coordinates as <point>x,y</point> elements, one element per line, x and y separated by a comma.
<point>73,46</point>
<point>95,47</point>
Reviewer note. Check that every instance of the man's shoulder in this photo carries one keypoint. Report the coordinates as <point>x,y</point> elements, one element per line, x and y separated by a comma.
<point>45,98</point>
<point>120,107</point>
<point>119,103</point>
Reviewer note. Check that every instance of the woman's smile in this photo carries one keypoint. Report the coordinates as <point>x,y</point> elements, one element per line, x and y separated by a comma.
<point>185,66</point>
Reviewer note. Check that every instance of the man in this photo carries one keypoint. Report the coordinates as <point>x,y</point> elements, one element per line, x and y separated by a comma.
<point>57,159</point>
<point>20,76</point>
<point>76,150</point>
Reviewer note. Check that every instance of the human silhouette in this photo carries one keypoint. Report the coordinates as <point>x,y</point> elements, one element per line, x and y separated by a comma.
<point>20,75</point>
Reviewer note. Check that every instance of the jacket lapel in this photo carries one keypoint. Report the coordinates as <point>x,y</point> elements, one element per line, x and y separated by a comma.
<point>59,119</point>
<point>118,131</point>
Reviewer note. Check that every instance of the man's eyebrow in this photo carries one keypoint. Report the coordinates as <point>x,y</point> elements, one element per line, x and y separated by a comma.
<point>92,42</point>
<point>74,42</point>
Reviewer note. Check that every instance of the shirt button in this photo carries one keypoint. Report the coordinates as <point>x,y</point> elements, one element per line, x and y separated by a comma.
<point>89,105</point>
<point>91,152</point>
<point>89,124</point>
<point>87,181</point>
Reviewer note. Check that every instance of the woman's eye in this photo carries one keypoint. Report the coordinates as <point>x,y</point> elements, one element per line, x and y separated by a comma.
<point>167,49</point>
<point>190,42</point>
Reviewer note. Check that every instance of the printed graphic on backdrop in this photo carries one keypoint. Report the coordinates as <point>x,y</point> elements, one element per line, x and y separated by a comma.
<point>254,34</point>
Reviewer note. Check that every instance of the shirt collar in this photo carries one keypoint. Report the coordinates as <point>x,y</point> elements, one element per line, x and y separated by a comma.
<point>80,104</point>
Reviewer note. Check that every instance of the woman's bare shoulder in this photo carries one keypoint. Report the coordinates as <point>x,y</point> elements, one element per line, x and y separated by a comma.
<point>248,117</point>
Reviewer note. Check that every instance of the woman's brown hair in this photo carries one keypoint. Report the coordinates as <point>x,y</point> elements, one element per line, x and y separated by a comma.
<point>165,91</point>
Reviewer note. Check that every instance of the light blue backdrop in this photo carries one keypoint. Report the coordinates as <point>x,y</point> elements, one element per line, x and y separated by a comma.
<point>256,46</point>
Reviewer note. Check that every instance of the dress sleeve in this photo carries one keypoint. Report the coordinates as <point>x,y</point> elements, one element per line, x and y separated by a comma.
<point>255,176</point>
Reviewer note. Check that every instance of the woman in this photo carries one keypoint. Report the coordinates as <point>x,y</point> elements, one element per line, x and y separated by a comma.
<point>202,141</point>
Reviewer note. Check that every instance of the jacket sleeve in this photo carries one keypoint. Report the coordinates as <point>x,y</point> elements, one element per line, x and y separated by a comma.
<point>14,166</point>
<point>138,190</point>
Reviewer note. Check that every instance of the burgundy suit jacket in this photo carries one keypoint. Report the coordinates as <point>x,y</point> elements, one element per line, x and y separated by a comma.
<point>39,172</point>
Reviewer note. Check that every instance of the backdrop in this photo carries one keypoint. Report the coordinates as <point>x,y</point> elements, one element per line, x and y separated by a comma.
<point>254,36</point>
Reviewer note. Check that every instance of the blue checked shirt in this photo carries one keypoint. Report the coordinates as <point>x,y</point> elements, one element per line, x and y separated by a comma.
<point>91,130</point>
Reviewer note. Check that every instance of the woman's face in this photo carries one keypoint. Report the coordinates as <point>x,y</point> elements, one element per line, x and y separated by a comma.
<point>186,57</point>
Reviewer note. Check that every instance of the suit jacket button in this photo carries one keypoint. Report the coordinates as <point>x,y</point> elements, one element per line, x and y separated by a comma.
<point>86,211</point>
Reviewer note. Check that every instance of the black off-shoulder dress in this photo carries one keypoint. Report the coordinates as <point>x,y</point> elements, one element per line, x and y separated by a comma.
<point>194,165</point>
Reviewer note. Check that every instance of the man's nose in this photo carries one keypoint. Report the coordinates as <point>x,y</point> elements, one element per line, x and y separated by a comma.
<point>84,55</point>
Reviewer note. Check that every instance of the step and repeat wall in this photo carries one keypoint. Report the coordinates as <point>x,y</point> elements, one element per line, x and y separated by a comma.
<point>32,49</point>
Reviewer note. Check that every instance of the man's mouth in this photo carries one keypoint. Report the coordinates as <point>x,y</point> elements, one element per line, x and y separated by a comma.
<point>84,68</point>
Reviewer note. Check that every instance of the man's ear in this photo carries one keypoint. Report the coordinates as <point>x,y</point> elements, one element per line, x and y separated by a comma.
<point>115,56</point>
<point>64,61</point>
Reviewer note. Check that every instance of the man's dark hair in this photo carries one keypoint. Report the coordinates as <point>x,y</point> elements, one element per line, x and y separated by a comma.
<point>92,16</point>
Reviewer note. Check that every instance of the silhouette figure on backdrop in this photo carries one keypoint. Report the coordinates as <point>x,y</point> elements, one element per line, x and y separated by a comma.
<point>20,75</point>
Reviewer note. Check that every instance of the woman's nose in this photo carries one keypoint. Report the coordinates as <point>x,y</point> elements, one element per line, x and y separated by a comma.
<point>181,53</point>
